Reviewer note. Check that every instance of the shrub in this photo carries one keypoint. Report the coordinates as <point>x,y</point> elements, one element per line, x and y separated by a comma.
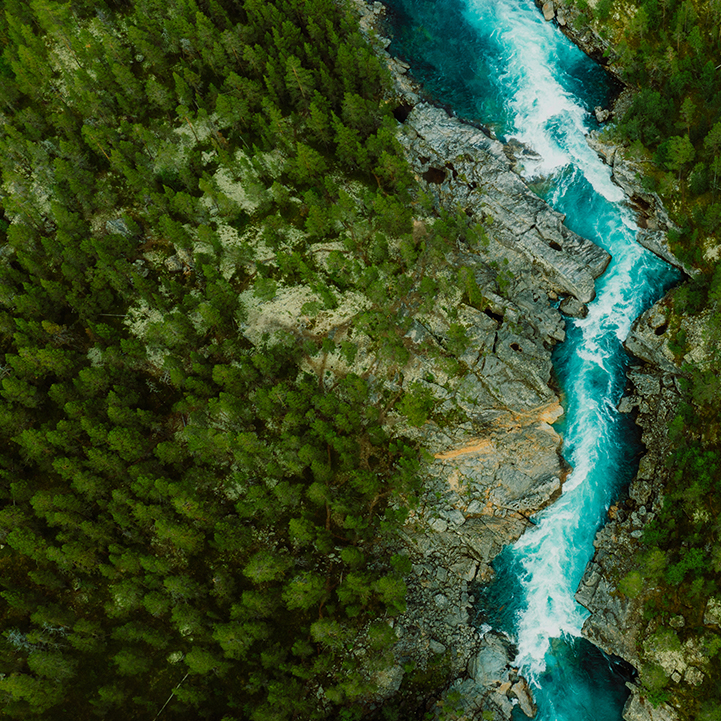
<point>416,405</point>
<point>631,584</point>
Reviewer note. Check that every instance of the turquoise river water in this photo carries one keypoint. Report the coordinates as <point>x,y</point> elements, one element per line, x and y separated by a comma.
<point>500,63</point>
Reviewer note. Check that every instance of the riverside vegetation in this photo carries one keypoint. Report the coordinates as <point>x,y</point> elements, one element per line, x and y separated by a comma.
<point>231,318</point>
<point>670,51</point>
<point>195,507</point>
<point>208,230</point>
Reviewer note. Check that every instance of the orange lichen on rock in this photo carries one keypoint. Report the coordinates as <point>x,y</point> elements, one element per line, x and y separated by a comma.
<point>477,445</point>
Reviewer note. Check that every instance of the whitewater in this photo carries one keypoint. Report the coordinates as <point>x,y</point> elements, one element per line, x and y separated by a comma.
<point>500,62</point>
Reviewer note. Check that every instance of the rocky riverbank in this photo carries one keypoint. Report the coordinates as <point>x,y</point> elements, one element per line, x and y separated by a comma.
<point>651,216</point>
<point>462,525</point>
<point>575,25</point>
<point>572,24</point>
<point>499,461</point>
<point>611,588</point>
<point>617,623</point>
<point>623,575</point>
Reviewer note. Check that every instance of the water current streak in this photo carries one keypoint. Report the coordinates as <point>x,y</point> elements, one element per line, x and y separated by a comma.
<point>539,88</point>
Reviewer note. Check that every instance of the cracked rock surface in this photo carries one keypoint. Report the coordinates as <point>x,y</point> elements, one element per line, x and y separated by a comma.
<point>461,163</point>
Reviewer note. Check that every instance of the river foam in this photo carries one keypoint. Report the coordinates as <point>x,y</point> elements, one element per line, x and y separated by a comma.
<point>499,62</point>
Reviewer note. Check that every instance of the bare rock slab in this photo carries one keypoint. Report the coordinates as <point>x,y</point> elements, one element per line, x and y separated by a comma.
<point>463,165</point>
<point>490,664</point>
<point>522,692</point>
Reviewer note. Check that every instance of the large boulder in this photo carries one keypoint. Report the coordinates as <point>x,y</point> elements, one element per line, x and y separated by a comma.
<point>573,307</point>
<point>648,340</point>
<point>639,709</point>
<point>602,115</point>
<point>491,663</point>
<point>522,692</point>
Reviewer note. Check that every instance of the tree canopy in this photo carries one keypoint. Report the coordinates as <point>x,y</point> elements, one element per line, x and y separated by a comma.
<point>192,518</point>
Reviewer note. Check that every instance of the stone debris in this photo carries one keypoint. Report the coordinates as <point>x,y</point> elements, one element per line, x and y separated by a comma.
<point>602,114</point>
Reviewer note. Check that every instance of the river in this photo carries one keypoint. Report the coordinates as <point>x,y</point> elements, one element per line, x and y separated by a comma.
<point>500,63</point>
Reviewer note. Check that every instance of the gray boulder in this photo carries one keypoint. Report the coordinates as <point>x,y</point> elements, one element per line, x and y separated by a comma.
<point>490,664</point>
<point>639,709</point>
<point>602,115</point>
<point>650,344</point>
<point>119,227</point>
<point>657,242</point>
<point>573,307</point>
<point>522,692</point>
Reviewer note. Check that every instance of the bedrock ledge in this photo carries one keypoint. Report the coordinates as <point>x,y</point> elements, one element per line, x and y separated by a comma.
<point>463,166</point>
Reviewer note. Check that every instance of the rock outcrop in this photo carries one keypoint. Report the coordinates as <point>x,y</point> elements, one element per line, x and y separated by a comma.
<point>638,709</point>
<point>477,500</point>
<point>648,340</point>
<point>573,25</point>
<point>462,165</point>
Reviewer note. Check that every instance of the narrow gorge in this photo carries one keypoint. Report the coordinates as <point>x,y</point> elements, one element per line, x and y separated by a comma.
<point>339,373</point>
<point>503,65</point>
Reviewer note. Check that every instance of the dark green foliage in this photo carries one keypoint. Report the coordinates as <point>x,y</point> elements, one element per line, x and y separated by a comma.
<point>671,50</point>
<point>603,9</point>
<point>417,405</point>
<point>188,517</point>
